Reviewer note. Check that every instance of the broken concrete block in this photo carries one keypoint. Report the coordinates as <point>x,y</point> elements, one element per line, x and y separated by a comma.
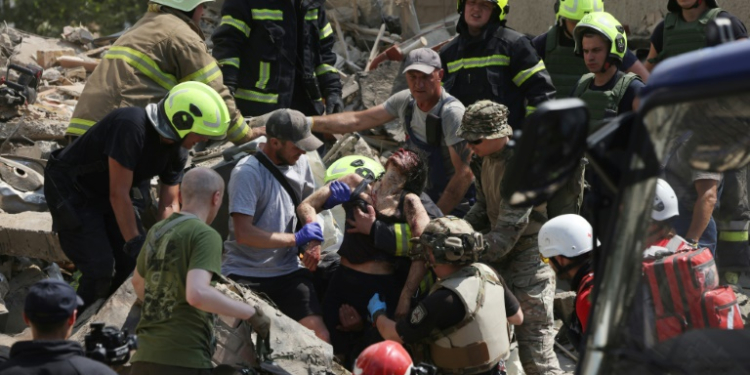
<point>29,234</point>
<point>564,305</point>
<point>77,74</point>
<point>48,58</point>
<point>16,298</point>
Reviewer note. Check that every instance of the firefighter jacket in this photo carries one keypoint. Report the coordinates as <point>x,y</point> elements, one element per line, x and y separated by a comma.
<point>268,49</point>
<point>507,228</point>
<point>500,65</point>
<point>481,339</point>
<point>161,50</point>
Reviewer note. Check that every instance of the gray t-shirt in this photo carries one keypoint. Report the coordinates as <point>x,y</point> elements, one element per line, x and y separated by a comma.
<point>255,192</point>
<point>452,115</point>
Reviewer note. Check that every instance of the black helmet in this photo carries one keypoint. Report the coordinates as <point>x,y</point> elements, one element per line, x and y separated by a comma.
<point>673,7</point>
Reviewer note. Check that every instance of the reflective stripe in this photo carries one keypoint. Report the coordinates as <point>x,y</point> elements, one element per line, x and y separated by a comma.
<point>478,62</point>
<point>264,75</point>
<point>241,130</point>
<point>530,110</point>
<point>143,64</point>
<point>524,75</point>
<point>312,15</point>
<point>232,61</point>
<point>78,126</point>
<point>255,96</point>
<point>733,236</point>
<point>326,32</point>
<point>426,284</point>
<point>209,73</point>
<point>268,14</point>
<point>325,68</point>
<point>237,24</point>
<point>403,235</point>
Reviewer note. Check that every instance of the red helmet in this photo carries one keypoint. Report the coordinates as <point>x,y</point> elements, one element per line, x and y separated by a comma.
<point>384,358</point>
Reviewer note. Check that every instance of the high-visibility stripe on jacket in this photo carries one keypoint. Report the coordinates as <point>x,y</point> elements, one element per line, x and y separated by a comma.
<point>265,54</point>
<point>161,50</point>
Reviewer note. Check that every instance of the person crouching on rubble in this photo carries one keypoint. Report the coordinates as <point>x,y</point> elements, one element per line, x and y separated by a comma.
<point>453,328</point>
<point>181,256</point>
<point>381,217</point>
<point>51,309</point>
<point>565,242</point>
<point>87,184</point>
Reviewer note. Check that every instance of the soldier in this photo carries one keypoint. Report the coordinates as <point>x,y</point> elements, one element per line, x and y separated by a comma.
<point>511,235</point>
<point>455,329</point>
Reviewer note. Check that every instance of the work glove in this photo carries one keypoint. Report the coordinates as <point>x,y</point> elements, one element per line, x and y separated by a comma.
<point>376,307</point>
<point>334,103</point>
<point>340,193</point>
<point>310,232</point>
<point>261,322</point>
<point>133,247</point>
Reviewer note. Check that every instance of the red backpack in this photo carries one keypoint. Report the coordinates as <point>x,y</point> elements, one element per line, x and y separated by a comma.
<point>684,283</point>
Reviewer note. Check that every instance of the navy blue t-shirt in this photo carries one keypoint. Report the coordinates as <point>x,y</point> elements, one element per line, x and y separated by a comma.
<point>127,136</point>
<point>540,44</point>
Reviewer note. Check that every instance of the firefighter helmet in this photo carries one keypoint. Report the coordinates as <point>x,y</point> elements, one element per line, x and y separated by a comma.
<point>575,10</point>
<point>606,25</point>
<point>384,358</point>
<point>361,165</point>
<point>190,107</point>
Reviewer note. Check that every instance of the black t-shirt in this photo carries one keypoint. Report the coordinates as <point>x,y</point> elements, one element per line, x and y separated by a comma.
<point>441,310</point>
<point>657,38</point>
<point>540,45</point>
<point>626,103</point>
<point>126,135</point>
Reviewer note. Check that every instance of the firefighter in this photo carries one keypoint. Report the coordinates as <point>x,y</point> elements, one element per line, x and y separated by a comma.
<point>490,61</point>
<point>601,41</point>
<point>278,54</point>
<point>556,47</point>
<point>684,29</point>
<point>165,47</point>
<point>87,183</point>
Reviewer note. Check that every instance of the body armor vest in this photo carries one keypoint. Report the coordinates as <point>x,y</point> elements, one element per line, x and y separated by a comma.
<point>681,37</point>
<point>603,104</point>
<point>562,63</point>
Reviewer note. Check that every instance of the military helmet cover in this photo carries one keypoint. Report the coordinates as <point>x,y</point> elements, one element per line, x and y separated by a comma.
<point>486,120</point>
<point>606,25</point>
<point>452,240</point>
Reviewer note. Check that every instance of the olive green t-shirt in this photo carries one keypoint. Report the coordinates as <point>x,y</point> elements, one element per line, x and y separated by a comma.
<point>171,332</point>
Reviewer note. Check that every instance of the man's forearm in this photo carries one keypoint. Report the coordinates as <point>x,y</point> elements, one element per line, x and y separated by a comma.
<point>387,329</point>
<point>267,240</point>
<point>306,213</point>
<point>453,193</point>
<point>339,123</point>
<point>212,301</point>
<point>701,216</point>
<point>168,201</point>
<point>125,215</point>
<point>417,271</point>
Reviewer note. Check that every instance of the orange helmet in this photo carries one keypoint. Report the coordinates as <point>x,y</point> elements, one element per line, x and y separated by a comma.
<point>384,358</point>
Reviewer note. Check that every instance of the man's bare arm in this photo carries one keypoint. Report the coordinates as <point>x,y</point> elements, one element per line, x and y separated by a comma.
<point>309,208</point>
<point>349,122</point>
<point>418,220</point>
<point>169,201</point>
<point>458,185</point>
<point>640,69</point>
<point>248,234</point>
<point>200,294</point>
<point>703,208</point>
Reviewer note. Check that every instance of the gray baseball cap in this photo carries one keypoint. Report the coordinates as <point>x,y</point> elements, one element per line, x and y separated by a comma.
<point>291,125</point>
<point>424,60</point>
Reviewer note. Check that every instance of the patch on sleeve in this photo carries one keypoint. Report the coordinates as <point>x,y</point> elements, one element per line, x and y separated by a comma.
<point>418,314</point>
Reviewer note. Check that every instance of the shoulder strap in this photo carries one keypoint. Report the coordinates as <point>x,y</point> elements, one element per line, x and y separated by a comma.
<point>623,82</point>
<point>263,159</point>
<point>711,15</point>
<point>583,84</point>
<point>670,20</point>
<point>166,227</point>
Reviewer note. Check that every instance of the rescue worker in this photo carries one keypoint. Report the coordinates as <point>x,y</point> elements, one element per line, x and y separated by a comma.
<point>450,178</point>
<point>565,242</point>
<point>165,47</point>
<point>490,61</point>
<point>511,234</point>
<point>87,183</point>
<point>684,29</point>
<point>453,327</point>
<point>556,47</point>
<point>601,41</point>
<point>278,54</point>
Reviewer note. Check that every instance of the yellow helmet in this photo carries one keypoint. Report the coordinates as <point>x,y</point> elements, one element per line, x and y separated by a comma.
<point>190,107</point>
<point>501,4</point>
<point>575,10</point>
<point>606,25</point>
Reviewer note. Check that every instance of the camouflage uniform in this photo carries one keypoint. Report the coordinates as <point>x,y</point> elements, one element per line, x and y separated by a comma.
<point>511,234</point>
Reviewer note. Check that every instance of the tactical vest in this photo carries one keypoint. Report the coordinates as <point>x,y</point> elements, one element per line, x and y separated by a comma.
<point>562,63</point>
<point>681,37</point>
<point>481,339</point>
<point>603,104</point>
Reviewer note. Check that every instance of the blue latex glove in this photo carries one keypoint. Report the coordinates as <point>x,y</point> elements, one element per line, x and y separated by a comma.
<point>375,307</point>
<point>340,193</point>
<point>310,232</point>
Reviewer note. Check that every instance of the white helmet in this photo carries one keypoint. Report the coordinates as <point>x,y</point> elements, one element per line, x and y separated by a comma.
<point>567,235</point>
<point>665,202</point>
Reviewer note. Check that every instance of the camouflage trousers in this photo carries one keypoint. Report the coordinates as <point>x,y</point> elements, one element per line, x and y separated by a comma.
<point>533,284</point>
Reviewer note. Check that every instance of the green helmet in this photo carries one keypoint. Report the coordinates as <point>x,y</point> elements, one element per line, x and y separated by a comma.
<point>502,5</point>
<point>575,10</point>
<point>452,240</point>
<point>606,25</point>
<point>183,5</point>
<point>190,107</point>
<point>360,165</point>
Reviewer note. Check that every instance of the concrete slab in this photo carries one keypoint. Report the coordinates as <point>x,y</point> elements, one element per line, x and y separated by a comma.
<point>29,234</point>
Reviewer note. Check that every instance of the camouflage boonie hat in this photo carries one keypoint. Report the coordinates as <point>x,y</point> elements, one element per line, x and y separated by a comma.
<point>485,120</point>
<point>452,240</point>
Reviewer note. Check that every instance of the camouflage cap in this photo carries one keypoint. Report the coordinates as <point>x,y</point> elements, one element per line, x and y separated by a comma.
<point>485,120</point>
<point>452,240</point>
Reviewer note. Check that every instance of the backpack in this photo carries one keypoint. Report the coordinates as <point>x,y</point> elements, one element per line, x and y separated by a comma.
<point>684,283</point>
